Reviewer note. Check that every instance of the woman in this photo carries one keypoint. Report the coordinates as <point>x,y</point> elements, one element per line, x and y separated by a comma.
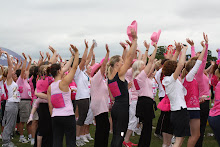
<point>11,108</point>
<point>175,92</point>
<point>60,104</point>
<point>118,86</point>
<point>99,102</point>
<point>214,114</point>
<point>26,97</point>
<point>192,97</point>
<point>144,108</point>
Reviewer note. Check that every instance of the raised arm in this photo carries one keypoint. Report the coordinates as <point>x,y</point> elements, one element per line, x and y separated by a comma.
<point>146,52</point>
<point>20,64</point>
<point>193,53</point>
<point>29,63</point>
<point>151,60</point>
<point>177,52</point>
<point>152,68</point>
<point>88,60</point>
<point>23,66</point>
<point>69,77</point>
<point>102,69</point>
<point>140,54</point>
<point>68,64</point>
<point>202,66</point>
<point>9,75</point>
<point>93,59</point>
<point>54,57</point>
<point>83,60</point>
<point>130,55</point>
<point>182,60</point>
<point>124,50</point>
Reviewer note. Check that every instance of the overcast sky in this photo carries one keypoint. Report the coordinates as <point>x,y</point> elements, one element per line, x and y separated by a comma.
<point>30,26</point>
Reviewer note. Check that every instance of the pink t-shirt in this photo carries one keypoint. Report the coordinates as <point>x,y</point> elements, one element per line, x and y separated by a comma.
<point>99,94</point>
<point>215,111</point>
<point>59,97</point>
<point>24,88</point>
<point>134,93</point>
<point>202,79</point>
<point>143,85</point>
<point>128,75</point>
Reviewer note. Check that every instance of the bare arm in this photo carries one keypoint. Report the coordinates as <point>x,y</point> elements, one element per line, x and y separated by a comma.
<point>93,59</point>
<point>41,95</point>
<point>177,52</point>
<point>49,100</point>
<point>181,62</point>
<point>151,60</point>
<point>83,60</point>
<point>124,50</point>
<point>69,78</point>
<point>23,66</point>
<point>105,60</point>
<point>130,55</point>
<point>9,75</point>
<point>193,53</point>
<point>152,68</point>
<point>29,63</point>
<point>88,60</point>
<point>55,55</point>
<point>146,52</point>
<point>139,55</point>
<point>68,64</point>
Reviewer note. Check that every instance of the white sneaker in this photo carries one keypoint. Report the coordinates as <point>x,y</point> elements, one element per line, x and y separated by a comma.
<point>80,143</point>
<point>138,131</point>
<point>23,140</point>
<point>10,144</point>
<point>173,140</point>
<point>84,138</point>
<point>88,136</point>
<point>32,141</point>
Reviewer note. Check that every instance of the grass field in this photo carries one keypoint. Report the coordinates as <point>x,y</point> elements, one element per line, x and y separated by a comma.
<point>155,142</point>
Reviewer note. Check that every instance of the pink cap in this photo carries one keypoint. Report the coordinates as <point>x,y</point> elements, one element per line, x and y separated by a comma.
<point>96,66</point>
<point>134,26</point>
<point>155,37</point>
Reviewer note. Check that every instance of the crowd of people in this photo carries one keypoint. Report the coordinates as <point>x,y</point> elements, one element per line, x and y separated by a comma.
<point>56,98</point>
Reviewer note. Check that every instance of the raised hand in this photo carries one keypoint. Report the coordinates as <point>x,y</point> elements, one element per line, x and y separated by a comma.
<point>155,44</point>
<point>123,45</point>
<point>107,49</point>
<point>134,34</point>
<point>202,43</point>
<point>24,56</point>
<point>129,43</point>
<point>217,50</point>
<point>72,52</point>
<point>42,55</point>
<point>74,47</point>
<point>179,46</point>
<point>52,49</point>
<point>190,41</point>
<point>29,57</point>
<point>86,43</point>
<point>146,45</point>
<point>205,38</point>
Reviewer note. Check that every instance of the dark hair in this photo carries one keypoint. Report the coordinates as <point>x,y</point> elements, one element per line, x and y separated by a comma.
<point>214,68</point>
<point>169,67</point>
<point>163,61</point>
<point>54,68</point>
<point>18,72</point>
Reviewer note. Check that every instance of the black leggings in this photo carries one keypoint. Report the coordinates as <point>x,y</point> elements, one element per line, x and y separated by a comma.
<point>158,130</point>
<point>212,93</point>
<point>120,119</point>
<point>145,112</point>
<point>204,113</point>
<point>102,130</point>
<point>64,125</point>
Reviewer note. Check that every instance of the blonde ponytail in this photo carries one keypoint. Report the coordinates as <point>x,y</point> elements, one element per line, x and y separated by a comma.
<point>111,63</point>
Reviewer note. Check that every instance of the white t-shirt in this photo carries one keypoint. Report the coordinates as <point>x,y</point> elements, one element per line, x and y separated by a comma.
<point>82,82</point>
<point>157,77</point>
<point>175,92</point>
<point>13,93</point>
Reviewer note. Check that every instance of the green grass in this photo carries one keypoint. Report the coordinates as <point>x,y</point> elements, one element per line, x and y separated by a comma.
<point>155,142</point>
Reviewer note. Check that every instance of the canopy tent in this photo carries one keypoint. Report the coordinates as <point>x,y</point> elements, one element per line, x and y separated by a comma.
<point>3,58</point>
